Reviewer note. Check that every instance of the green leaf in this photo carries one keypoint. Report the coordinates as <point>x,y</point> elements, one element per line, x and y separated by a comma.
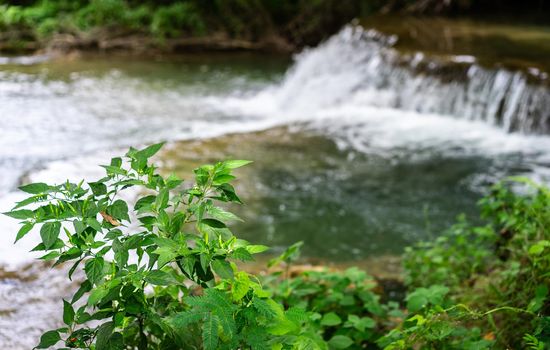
<point>144,202</point>
<point>166,254</point>
<point>160,278</point>
<point>331,319</point>
<point>416,301</point>
<point>116,162</point>
<point>48,339</point>
<point>119,210</point>
<point>85,287</point>
<point>97,294</point>
<point>98,188</point>
<point>538,248</point>
<point>94,269</point>
<point>340,342</point>
<point>223,269</point>
<point>113,170</point>
<point>35,188</point>
<point>26,228</point>
<point>29,200</point>
<point>49,256</point>
<point>161,201</point>
<point>213,223</point>
<point>49,233</point>
<point>222,179</point>
<point>242,254</point>
<point>93,223</point>
<point>222,215</point>
<point>149,151</point>
<point>210,332</point>
<point>240,286</point>
<point>233,164</point>
<point>68,313</point>
<point>537,303</point>
<point>106,339</point>
<point>20,214</point>
<point>256,249</point>
<point>121,254</point>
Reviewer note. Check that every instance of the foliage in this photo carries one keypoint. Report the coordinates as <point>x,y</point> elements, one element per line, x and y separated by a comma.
<point>299,22</point>
<point>475,287</point>
<point>342,306</point>
<point>169,21</point>
<point>501,267</point>
<point>450,259</point>
<point>160,274</point>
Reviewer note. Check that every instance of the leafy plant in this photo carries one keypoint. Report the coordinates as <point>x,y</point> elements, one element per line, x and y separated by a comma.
<point>161,273</point>
<point>342,305</point>
<point>500,267</point>
<point>170,21</point>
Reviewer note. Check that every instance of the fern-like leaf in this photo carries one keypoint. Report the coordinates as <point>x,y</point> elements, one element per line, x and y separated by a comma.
<point>210,332</point>
<point>263,308</point>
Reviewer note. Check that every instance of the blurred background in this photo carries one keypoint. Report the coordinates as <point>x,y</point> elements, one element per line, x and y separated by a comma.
<point>372,123</point>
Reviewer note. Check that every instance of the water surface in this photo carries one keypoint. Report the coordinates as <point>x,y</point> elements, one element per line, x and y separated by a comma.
<point>360,148</point>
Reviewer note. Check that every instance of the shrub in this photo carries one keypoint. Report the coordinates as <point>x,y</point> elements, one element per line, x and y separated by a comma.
<point>172,20</point>
<point>161,275</point>
<point>342,305</point>
<point>101,13</point>
<point>500,268</point>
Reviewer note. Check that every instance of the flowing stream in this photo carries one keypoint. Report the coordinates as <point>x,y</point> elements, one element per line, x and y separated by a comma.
<point>360,148</point>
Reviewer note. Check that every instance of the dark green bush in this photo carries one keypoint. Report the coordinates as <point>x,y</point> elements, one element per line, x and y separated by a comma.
<point>497,273</point>
<point>342,305</point>
<point>175,19</point>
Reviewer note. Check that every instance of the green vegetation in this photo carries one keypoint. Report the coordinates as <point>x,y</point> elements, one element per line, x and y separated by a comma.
<point>157,290</point>
<point>163,275</point>
<point>269,24</point>
<point>296,23</point>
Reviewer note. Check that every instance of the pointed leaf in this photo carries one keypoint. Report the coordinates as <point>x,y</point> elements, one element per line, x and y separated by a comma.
<point>49,233</point>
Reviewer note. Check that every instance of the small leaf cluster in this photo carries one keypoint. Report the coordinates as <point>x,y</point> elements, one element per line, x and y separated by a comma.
<point>159,272</point>
<point>342,305</point>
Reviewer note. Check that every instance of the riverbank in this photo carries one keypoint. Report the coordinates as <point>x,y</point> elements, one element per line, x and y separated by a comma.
<point>121,41</point>
<point>191,25</point>
<point>171,26</point>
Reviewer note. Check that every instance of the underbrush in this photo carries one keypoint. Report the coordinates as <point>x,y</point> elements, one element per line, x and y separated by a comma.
<point>163,274</point>
<point>298,22</point>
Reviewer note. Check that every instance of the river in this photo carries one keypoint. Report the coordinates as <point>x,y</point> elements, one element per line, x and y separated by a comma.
<point>360,147</point>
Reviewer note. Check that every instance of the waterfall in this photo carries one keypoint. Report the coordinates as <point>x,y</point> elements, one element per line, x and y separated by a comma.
<point>361,67</point>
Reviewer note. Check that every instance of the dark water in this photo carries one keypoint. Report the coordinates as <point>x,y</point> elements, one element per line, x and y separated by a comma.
<point>345,205</point>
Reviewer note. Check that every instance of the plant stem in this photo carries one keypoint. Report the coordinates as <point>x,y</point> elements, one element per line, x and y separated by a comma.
<point>142,337</point>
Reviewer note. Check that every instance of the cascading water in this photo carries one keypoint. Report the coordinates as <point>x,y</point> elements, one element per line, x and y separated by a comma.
<point>359,67</point>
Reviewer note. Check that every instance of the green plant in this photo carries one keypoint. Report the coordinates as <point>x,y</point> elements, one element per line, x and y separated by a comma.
<point>162,274</point>
<point>452,258</point>
<point>500,267</point>
<point>100,13</point>
<point>342,305</point>
<point>170,21</point>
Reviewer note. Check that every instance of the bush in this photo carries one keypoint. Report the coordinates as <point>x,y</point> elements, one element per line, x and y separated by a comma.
<point>172,20</point>
<point>343,306</point>
<point>150,272</point>
<point>101,13</point>
<point>500,268</point>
